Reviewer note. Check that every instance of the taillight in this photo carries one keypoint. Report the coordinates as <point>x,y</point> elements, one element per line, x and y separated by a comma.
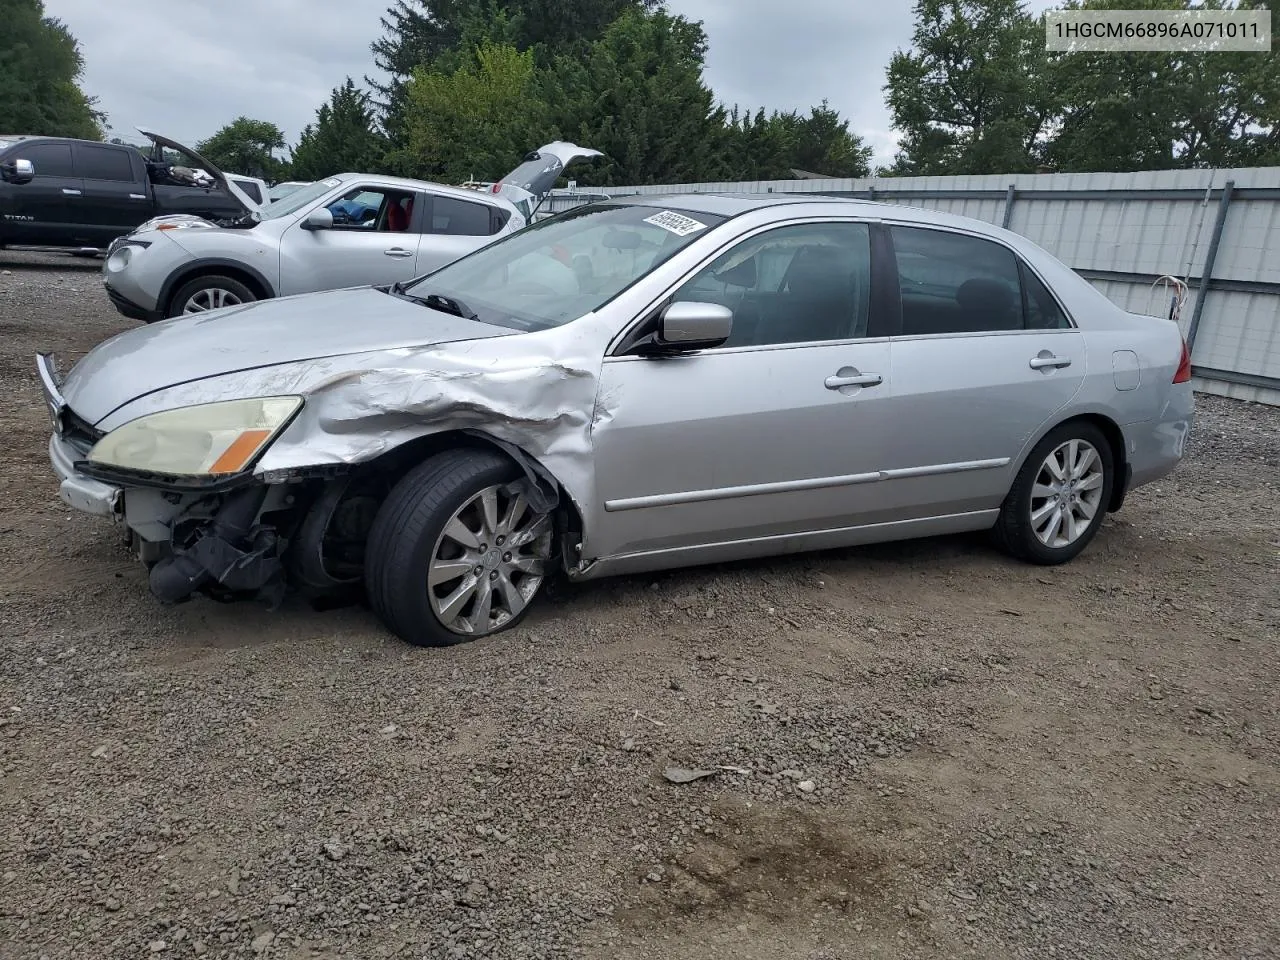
<point>1184,366</point>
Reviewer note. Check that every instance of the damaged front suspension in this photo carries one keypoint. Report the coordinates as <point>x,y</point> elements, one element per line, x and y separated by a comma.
<point>230,553</point>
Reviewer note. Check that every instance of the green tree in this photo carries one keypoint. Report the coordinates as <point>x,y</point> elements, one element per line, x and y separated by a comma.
<point>40,69</point>
<point>246,147</point>
<point>972,95</point>
<point>771,147</point>
<point>441,35</point>
<point>477,120</point>
<point>1161,110</point>
<point>342,138</point>
<point>639,97</point>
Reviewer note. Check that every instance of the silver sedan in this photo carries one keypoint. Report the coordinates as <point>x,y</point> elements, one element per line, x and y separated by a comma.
<point>633,385</point>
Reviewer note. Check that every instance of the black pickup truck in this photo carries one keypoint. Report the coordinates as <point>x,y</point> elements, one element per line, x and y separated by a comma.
<point>58,192</point>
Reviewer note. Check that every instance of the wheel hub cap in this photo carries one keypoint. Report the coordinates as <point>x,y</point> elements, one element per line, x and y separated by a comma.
<point>488,562</point>
<point>1067,494</point>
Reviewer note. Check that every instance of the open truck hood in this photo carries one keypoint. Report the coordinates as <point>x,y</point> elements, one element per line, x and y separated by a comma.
<point>200,162</point>
<point>528,184</point>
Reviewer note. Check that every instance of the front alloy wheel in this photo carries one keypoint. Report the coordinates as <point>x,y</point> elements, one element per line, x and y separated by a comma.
<point>488,562</point>
<point>456,552</point>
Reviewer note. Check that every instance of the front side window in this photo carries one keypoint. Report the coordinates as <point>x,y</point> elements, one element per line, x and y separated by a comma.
<point>797,284</point>
<point>49,159</point>
<point>373,210</point>
<point>954,283</point>
<point>459,218</point>
<point>564,267</point>
<point>104,163</point>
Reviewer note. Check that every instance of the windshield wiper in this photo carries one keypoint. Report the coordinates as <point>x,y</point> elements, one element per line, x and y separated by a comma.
<point>436,301</point>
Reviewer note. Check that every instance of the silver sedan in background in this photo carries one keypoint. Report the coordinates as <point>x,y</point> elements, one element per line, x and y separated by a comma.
<point>637,384</point>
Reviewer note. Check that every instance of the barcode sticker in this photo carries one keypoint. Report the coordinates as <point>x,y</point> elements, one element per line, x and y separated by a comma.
<point>677,223</point>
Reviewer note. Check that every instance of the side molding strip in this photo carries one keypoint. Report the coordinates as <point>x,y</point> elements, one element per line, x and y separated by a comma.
<point>796,486</point>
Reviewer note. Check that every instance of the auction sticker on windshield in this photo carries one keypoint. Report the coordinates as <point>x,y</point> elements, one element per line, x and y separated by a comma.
<point>677,223</point>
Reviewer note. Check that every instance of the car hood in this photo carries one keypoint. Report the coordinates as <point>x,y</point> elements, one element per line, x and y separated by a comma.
<point>256,335</point>
<point>201,163</point>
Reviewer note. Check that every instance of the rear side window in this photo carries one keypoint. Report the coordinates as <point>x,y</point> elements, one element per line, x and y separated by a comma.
<point>1043,312</point>
<point>250,189</point>
<point>458,218</point>
<point>953,283</point>
<point>104,163</point>
<point>49,159</point>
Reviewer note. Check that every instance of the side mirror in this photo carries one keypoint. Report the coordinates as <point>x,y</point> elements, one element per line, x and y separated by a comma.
<point>18,171</point>
<point>319,219</point>
<point>690,325</point>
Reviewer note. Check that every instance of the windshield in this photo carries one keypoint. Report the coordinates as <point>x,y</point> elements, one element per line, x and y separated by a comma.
<point>296,200</point>
<point>562,268</point>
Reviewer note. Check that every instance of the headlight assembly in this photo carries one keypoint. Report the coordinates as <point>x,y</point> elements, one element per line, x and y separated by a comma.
<point>208,440</point>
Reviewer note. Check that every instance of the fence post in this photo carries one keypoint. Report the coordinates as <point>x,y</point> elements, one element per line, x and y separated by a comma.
<point>1009,197</point>
<point>1202,291</point>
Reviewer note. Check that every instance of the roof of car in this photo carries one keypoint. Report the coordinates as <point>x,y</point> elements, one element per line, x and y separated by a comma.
<point>734,204</point>
<point>460,192</point>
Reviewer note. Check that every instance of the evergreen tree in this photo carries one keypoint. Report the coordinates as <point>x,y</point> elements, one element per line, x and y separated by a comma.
<point>342,139</point>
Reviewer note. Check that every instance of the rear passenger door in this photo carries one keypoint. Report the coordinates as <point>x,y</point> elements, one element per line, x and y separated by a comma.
<point>115,197</point>
<point>984,357</point>
<point>454,227</point>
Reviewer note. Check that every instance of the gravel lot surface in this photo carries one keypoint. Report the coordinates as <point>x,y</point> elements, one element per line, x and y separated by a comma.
<point>919,750</point>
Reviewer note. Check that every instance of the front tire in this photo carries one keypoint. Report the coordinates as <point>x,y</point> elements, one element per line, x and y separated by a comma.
<point>456,552</point>
<point>208,293</point>
<point>1060,496</point>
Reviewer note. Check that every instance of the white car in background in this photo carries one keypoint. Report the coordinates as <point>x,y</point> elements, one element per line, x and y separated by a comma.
<point>345,231</point>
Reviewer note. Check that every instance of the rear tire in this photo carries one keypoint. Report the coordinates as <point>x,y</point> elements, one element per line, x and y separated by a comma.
<point>1059,497</point>
<point>455,553</point>
<point>208,293</point>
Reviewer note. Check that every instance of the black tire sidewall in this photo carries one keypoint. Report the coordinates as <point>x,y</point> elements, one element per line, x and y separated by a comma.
<point>1027,544</point>
<point>400,592</point>
<point>184,293</point>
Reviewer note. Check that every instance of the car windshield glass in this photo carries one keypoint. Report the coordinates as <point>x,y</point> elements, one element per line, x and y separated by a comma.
<point>562,268</point>
<point>296,200</point>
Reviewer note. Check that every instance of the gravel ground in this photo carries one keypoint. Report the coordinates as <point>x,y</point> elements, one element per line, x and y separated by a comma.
<point>919,750</point>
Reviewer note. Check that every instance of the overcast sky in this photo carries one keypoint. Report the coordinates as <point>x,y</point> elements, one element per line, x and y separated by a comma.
<point>187,67</point>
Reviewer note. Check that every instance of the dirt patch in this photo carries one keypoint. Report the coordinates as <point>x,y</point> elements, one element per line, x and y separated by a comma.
<point>921,749</point>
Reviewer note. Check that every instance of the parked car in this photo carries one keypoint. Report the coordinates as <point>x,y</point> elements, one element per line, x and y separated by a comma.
<point>341,231</point>
<point>59,192</point>
<point>629,386</point>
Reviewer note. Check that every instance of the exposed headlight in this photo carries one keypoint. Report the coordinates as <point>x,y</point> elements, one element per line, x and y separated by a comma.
<point>211,439</point>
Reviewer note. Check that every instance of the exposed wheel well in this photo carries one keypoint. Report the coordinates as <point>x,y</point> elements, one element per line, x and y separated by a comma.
<point>205,270</point>
<point>394,464</point>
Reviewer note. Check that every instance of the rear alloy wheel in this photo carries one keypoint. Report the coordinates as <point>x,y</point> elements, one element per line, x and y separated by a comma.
<point>456,551</point>
<point>209,293</point>
<point>1061,494</point>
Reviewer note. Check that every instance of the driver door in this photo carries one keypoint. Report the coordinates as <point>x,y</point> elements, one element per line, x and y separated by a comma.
<point>777,433</point>
<point>374,240</point>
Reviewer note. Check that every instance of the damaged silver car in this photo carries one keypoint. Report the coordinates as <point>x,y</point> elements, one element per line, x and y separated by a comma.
<point>633,385</point>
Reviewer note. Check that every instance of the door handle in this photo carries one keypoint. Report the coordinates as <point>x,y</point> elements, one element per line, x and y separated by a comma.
<point>70,193</point>
<point>137,196</point>
<point>398,252</point>
<point>1039,363</point>
<point>854,380</point>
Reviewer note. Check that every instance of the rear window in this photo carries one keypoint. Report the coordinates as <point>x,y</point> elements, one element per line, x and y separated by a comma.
<point>458,218</point>
<point>104,163</point>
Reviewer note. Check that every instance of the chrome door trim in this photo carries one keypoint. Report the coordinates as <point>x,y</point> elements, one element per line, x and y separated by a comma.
<point>796,486</point>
